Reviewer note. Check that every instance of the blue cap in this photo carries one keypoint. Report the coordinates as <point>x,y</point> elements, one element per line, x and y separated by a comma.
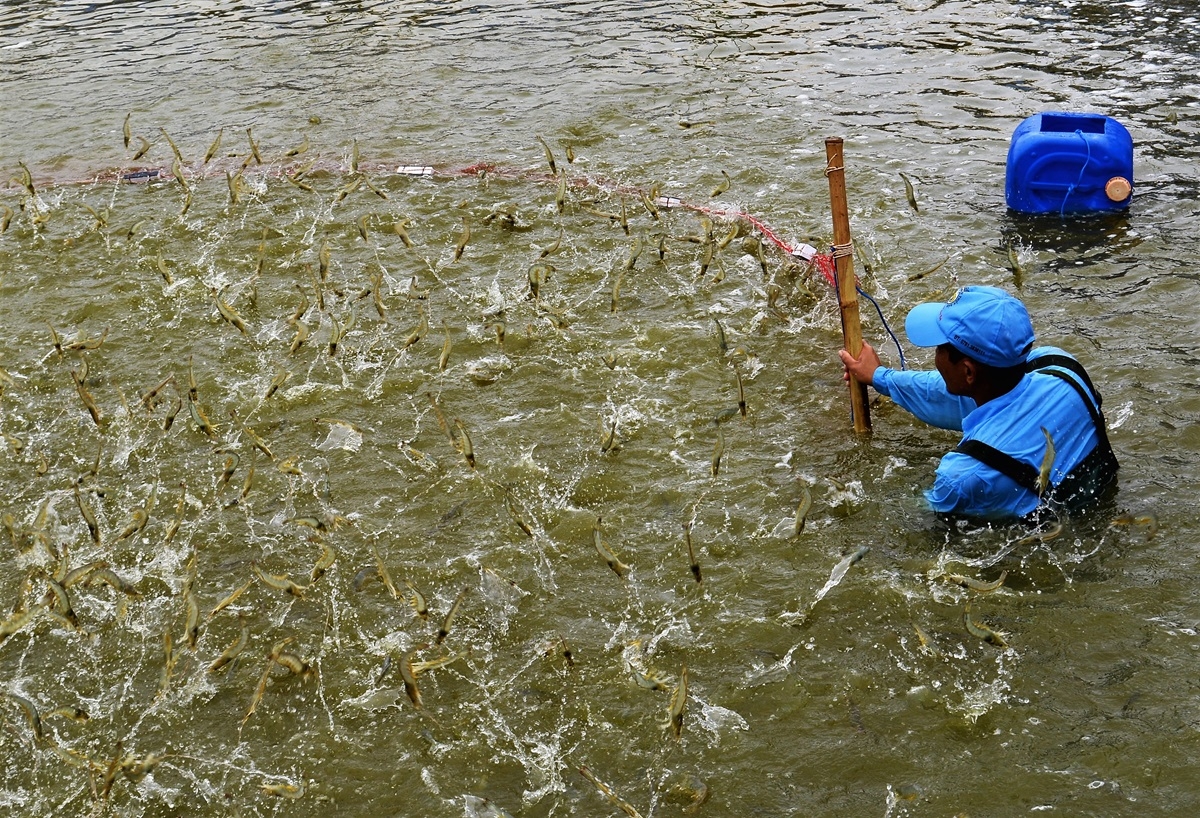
<point>984,323</point>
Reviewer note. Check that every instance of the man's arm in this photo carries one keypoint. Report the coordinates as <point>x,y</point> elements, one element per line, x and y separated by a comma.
<point>922,393</point>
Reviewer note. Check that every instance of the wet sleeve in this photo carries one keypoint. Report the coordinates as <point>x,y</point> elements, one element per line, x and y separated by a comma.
<point>924,394</point>
<point>965,486</point>
<point>943,496</point>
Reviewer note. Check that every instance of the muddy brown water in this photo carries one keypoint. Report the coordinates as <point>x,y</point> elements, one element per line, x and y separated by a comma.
<point>793,708</point>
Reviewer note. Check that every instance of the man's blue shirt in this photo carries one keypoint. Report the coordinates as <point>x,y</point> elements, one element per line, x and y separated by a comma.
<point>1011,423</point>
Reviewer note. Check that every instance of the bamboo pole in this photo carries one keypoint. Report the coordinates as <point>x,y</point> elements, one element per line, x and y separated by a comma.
<point>835,171</point>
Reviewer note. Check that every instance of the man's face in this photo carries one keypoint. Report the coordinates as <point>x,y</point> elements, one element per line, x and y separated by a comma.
<point>955,374</point>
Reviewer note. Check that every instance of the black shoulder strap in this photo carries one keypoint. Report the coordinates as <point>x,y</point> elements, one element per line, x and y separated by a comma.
<point>1097,417</point>
<point>1063,362</point>
<point>1022,474</point>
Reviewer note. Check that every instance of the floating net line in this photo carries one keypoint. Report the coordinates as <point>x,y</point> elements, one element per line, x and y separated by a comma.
<point>823,263</point>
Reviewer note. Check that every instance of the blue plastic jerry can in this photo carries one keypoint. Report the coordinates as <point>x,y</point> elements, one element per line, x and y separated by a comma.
<point>1069,163</point>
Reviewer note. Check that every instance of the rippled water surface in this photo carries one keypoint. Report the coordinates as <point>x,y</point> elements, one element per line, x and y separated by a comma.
<point>246,365</point>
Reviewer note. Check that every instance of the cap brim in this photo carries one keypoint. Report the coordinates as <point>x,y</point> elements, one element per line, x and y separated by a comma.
<point>922,327</point>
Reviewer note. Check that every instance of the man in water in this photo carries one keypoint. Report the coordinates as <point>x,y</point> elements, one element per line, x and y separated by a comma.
<point>1033,433</point>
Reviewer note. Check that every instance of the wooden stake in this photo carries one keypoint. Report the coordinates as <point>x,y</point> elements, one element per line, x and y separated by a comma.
<point>835,171</point>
